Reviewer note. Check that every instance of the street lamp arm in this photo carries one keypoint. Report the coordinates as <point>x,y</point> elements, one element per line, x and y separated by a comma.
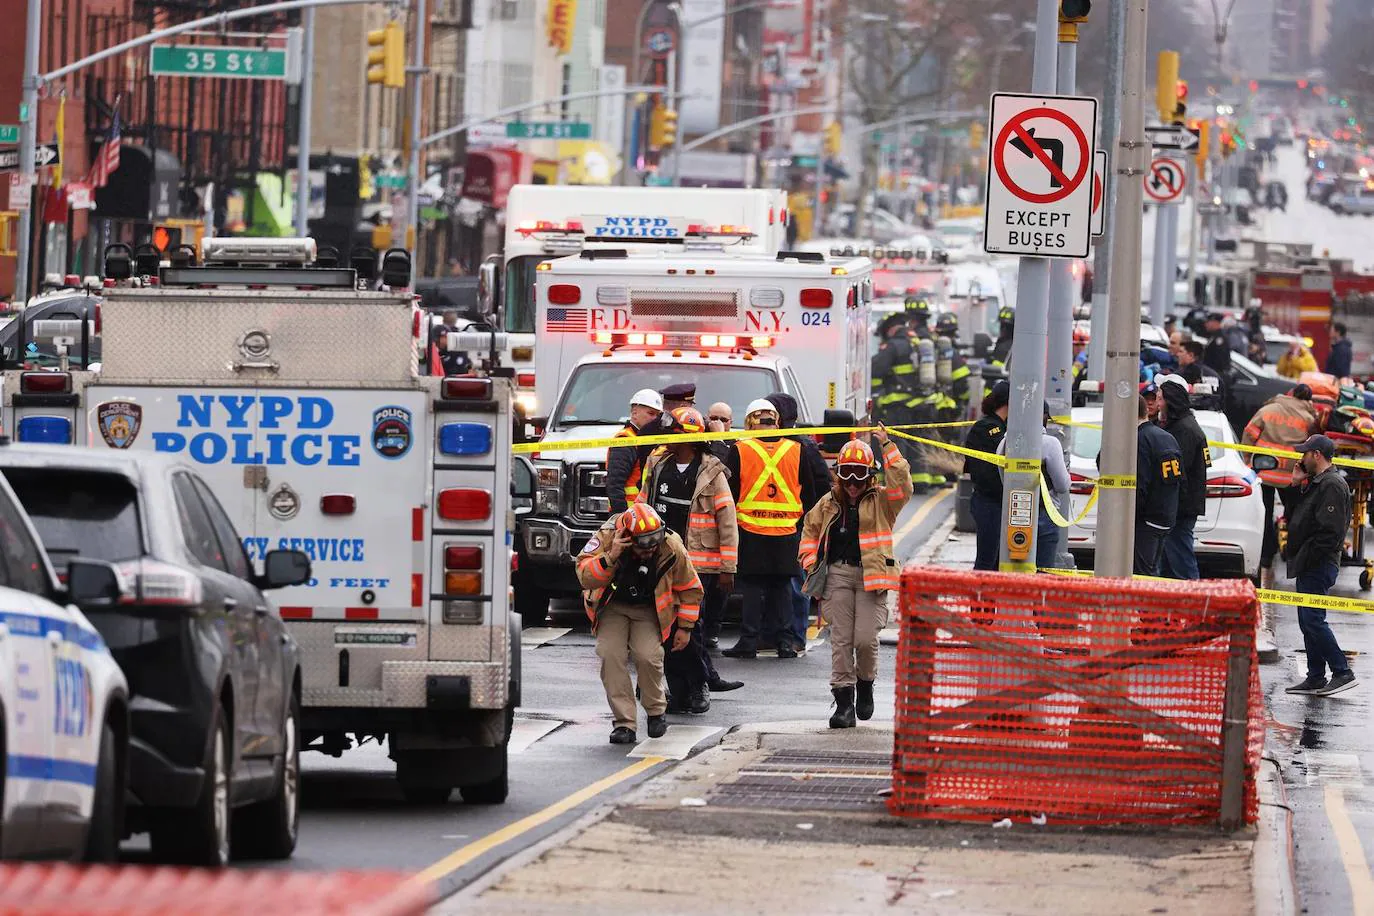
<point>470,123</point>
<point>741,8</point>
<point>218,19</point>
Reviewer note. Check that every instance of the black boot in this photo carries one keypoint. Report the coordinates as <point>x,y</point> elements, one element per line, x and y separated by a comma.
<point>700,701</point>
<point>863,704</point>
<point>844,707</point>
<point>745,648</point>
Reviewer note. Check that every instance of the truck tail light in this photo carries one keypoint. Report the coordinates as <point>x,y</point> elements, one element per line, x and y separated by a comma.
<point>415,324</point>
<point>462,557</point>
<point>461,388</point>
<point>524,379</point>
<point>1080,485</point>
<point>462,583</point>
<point>1228,487</point>
<point>44,430</point>
<point>160,585</point>
<point>465,438</point>
<point>45,383</point>
<point>465,505</point>
<point>338,504</point>
<point>97,319</point>
<point>565,294</point>
<point>817,298</point>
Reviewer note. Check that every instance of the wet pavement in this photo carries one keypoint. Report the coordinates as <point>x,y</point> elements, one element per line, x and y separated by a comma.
<point>1321,744</point>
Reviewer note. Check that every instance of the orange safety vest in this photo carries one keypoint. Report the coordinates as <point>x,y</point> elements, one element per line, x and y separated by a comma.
<point>632,482</point>
<point>769,486</point>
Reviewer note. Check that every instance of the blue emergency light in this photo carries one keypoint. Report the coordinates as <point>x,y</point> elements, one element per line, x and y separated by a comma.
<point>47,430</point>
<point>465,438</point>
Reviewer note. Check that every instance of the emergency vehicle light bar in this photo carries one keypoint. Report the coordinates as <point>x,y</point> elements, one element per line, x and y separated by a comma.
<point>240,251</point>
<point>705,341</point>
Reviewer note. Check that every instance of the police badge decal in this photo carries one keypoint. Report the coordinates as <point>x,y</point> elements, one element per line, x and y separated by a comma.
<point>391,431</point>
<point>119,422</point>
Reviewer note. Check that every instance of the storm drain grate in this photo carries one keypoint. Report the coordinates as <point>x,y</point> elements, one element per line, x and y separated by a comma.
<point>820,782</point>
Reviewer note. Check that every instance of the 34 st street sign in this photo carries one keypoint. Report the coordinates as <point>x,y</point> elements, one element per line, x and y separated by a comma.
<point>218,61</point>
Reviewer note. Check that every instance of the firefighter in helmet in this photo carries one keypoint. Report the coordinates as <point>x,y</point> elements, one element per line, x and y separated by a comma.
<point>1001,350</point>
<point>924,403</point>
<point>952,375</point>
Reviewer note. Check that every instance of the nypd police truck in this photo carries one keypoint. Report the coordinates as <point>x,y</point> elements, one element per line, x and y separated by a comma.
<point>289,381</point>
<point>739,326</point>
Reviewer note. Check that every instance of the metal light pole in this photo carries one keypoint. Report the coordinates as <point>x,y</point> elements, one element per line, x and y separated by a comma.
<point>28,142</point>
<point>417,71</point>
<point>303,102</point>
<point>1116,501</point>
<point>1063,296</point>
<point>1102,255</point>
<point>1025,427</point>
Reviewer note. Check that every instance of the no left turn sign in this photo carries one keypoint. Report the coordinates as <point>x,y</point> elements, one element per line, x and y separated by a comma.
<point>1040,188</point>
<point>1166,180</point>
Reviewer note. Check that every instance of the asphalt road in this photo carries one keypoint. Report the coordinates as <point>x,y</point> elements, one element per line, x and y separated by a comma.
<point>1320,743</point>
<point>562,765</point>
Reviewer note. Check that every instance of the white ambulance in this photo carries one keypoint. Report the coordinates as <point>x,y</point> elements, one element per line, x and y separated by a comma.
<point>551,221</point>
<point>739,326</point>
<point>291,385</point>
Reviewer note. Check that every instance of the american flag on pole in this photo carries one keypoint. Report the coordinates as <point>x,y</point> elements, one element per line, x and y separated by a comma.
<point>567,321</point>
<point>107,159</point>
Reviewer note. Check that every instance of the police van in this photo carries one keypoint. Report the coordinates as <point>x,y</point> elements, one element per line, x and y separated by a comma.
<point>289,381</point>
<point>553,221</point>
<point>65,702</point>
<point>739,326</point>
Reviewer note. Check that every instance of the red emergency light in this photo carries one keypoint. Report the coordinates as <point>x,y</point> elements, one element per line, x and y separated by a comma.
<point>726,230</point>
<point>565,294</point>
<point>531,226</point>
<point>704,341</point>
<point>817,298</point>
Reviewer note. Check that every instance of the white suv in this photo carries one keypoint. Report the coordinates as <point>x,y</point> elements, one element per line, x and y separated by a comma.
<point>64,721</point>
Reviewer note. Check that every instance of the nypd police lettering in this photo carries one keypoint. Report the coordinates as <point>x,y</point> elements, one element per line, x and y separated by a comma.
<point>638,227</point>
<point>274,412</point>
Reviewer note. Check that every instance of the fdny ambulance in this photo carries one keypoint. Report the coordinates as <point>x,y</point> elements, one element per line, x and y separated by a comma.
<point>552,221</point>
<point>290,382</point>
<point>738,326</point>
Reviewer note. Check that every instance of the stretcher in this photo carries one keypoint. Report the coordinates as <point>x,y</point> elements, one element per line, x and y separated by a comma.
<point>1361,483</point>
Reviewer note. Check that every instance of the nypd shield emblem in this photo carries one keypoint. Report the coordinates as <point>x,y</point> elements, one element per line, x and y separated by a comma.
<point>391,431</point>
<point>119,422</point>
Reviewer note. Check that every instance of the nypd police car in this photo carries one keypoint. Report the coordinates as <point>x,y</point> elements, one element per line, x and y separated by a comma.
<point>63,702</point>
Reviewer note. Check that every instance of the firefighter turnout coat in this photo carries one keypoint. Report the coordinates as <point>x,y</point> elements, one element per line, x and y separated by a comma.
<point>677,589</point>
<point>1282,423</point>
<point>879,507</point>
<point>712,532</point>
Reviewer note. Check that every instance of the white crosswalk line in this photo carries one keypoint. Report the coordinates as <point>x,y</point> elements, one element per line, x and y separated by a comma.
<point>535,637</point>
<point>527,731</point>
<point>677,743</point>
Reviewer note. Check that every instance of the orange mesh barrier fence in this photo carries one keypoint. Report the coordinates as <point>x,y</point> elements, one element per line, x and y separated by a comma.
<point>1087,701</point>
<point>60,890</point>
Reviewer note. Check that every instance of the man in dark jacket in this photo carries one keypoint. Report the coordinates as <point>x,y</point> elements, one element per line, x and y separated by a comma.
<point>1195,371</point>
<point>1180,562</point>
<point>813,468</point>
<point>625,464</point>
<point>986,500</point>
<point>1218,349</point>
<point>1316,538</point>
<point>1158,474</point>
<point>1339,359</point>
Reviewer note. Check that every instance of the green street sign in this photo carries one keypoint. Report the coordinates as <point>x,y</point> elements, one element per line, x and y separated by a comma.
<point>549,130</point>
<point>223,62</point>
<point>9,133</point>
<point>389,181</point>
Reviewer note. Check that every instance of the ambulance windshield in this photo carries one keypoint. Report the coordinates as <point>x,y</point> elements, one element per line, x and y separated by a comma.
<point>602,392</point>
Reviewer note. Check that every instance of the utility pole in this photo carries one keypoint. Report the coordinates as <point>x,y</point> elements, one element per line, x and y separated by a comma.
<point>28,143</point>
<point>417,105</point>
<point>1116,486</point>
<point>1025,426</point>
<point>1102,255</point>
<point>1064,296</point>
<point>303,102</point>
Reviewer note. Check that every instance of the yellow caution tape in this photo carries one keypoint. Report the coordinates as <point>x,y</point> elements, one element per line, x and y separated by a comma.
<point>989,457</point>
<point>1052,510</point>
<point>566,445</point>
<point>1023,465</point>
<point>1267,595</point>
<point>1116,482</point>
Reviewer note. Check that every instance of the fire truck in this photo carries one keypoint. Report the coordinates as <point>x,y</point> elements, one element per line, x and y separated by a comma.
<point>551,221</point>
<point>739,326</point>
<point>1293,287</point>
<point>288,382</point>
<point>1353,305</point>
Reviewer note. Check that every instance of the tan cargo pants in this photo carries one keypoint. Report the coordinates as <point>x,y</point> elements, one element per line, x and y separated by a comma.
<point>855,617</point>
<point>625,632</point>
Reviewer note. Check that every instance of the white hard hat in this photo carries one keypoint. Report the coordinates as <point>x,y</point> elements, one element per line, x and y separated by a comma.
<point>1176,379</point>
<point>759,404</point>
<point>648,397</point>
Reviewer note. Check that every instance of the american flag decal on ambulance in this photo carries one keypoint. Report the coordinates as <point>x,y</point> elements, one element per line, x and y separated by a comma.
<point>567,321</point>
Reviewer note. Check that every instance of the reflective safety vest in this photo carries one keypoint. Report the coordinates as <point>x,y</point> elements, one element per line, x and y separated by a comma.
<point>769,486</point>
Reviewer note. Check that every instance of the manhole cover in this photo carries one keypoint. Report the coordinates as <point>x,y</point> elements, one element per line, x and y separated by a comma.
<point>797,781</point>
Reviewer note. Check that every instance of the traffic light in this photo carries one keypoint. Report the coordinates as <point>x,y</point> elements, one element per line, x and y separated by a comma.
<point>834,138</point>
<point>975,135</point>
<point>1166,85</point>
<point>386,62</point>
<point>1074,10</point>
<point>1204,134</point>
<point>1181,102</point>
<point>662,127</point>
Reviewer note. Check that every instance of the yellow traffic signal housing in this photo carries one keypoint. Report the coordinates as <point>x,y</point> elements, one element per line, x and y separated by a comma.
<point>1204,134</point>
<point>386,62</point>
<point>834,138</point>
<point>662,127</point>
<point>1074,10</point>
<point>975,135</point>
<point>1166,85</point>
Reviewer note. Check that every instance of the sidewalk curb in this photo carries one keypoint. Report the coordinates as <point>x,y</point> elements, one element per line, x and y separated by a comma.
<point>1273,869</point>
<point>930,550</point>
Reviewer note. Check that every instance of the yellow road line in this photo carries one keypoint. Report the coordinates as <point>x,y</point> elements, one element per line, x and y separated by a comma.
<point>1352,853</point>
<point>920,514</point>
<point>465,854</point>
